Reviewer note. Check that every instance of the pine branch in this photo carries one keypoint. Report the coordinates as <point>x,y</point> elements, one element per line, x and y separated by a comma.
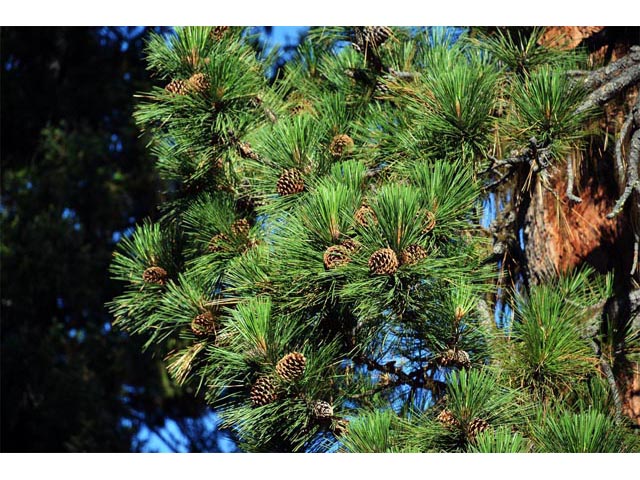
<point>415,379</point>
<point>609,90</point>
<point>611,380</point>
<point>622,139</point>
<point>571,180</point>
<point>596,79</point>
<point>536,155</point>
<point>633,183</point>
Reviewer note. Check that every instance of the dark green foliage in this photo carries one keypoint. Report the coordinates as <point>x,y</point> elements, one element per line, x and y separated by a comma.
<point>328,221</point>
<point>75,178</point>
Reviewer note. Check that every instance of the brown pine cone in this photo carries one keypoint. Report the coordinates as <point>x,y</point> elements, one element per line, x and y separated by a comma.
<point>340,144</point>
<point>290,182</point>
<point>291,366</point>
<point>263,392</point>
<point>156,275</point>
<point>203,324</point>
<point>383,262</point>
<point>413,254</point>
<point>335,256</point>
<point>365,216</point>
<point>447,419</point>
<point>177,87</point>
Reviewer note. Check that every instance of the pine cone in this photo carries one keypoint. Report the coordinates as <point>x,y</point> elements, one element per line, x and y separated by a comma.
<point>429,221</point>
<point>336,256</point>
<point>383,262</point>
<point>455,357</point>
<point>365,216</point>
<point>447,419</point>
<point>199,83</point>
<point>351,245</point>
<point>340,427</point>
<point>340,144</point>
<point>303,106</point>
<point>290,182</point>
<point>246,151</point>
<point>217,33</point>
<point>217,242</point>
<point>382,88</point>
<point>263,392</point>
<point>291,366</point>
<point>322,410</point>
<point>477,425</point>
<point>203,324</point>
<point>177,87</point>
<point>240,228</point>
<point>459,313</point>
<point>157,275</point>
<point>376,36</point>
<point>368,37</point>
<point>412,254</point>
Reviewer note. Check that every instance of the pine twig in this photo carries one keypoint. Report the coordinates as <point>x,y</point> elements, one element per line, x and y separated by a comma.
<point>611,380</point>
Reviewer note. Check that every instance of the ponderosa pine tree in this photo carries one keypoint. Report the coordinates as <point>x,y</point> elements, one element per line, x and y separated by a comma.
<point>321,257</point>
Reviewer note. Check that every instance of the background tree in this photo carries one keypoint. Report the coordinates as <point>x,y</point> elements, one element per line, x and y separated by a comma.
<point>75,178</point>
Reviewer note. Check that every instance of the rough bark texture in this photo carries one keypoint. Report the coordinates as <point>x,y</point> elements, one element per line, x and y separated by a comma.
<point>561,234</point>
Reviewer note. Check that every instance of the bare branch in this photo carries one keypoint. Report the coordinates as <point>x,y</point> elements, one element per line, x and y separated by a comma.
<point>635,254</point>
<point>611,379</point>
<point>410,76</point>
<point>501,180</point>
<point>632,182</point>
<point>622,138</point>
<point>534,154</point>
<point>606,92</point>
<point>605,74</point>
<point>570,181</point>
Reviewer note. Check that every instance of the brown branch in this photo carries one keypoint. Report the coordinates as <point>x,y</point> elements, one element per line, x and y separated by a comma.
<point>632,182</point>
<point>570,181</point>
<point>606,92</point>
<point>416,379</point>
<point>595,79</point>
<point>611,380</point>
<point>622,139</point>
<point>534,154</point>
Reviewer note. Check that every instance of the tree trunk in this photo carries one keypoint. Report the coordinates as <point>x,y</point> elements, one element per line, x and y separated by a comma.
<point>560,234</point>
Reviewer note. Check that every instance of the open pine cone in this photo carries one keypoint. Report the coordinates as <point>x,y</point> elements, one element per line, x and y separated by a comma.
<point>263,392</point>
<point>290,182</point>
<point>447,419</point>
<point>156,275</point>
<point>203,324</point>
<point>365,216</point>
<point>340,144</point>
<point>476,426</point>
<point>413,254</point>
<point>455,357</point>
<point>177,87</point>
<point>322,410</point>
<point>291,366</point>
<point>199,83</point>
<point>335,256</point>
<point>383,262</point>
